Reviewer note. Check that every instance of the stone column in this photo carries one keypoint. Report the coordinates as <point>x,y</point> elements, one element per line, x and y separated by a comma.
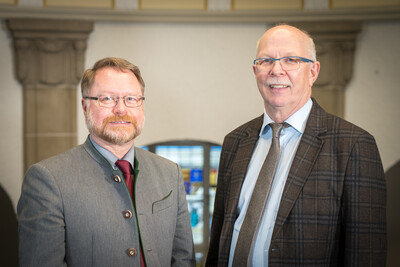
<point>49,61</point>
<point>335,43</point>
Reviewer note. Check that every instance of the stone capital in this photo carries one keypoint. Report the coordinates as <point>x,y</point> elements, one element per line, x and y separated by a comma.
<point>335,42</point>
<point>49,52</point>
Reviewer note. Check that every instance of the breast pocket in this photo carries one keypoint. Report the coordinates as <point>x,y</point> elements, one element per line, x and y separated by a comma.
<point>163,203</point>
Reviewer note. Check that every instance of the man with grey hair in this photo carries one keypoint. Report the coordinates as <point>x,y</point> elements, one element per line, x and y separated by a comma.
<point>297,186</point>
<point>106,202</point>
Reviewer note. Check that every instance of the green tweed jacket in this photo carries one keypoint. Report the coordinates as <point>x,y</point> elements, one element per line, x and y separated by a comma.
<point>75,210</point>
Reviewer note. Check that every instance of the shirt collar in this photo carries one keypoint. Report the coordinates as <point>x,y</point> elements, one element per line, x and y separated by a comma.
<point>298,120</point>
<point>111,157</point>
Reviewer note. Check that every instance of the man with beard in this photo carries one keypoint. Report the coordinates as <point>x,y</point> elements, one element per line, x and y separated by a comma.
<point>297,186</point>
<point>106,202</point>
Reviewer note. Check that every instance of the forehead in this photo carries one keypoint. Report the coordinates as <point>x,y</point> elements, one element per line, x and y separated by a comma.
<point>110,80</point>
<point>283,41</point>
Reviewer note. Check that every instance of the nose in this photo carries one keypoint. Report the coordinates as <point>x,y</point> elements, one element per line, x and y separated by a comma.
<point>276,68</point>
<point>120,107</point>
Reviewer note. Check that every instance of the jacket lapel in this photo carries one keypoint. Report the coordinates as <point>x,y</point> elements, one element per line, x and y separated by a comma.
<point>247,141</point>
<point>307,153</point>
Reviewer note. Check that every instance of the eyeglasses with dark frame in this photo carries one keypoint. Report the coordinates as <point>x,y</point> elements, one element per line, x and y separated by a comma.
<point>287,63</point>
<point>110,101</point>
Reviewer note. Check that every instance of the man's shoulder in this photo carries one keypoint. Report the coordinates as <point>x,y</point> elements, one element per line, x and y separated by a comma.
<point>64,167</point>
<point>74,156</point>
<point>251,127</point>
<point>149,157</point>
<point>70,154</point>
<point>333,124</point>
<point>246,133</point>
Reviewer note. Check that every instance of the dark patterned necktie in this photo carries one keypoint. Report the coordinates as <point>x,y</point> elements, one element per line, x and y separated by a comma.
<point>258,200</point>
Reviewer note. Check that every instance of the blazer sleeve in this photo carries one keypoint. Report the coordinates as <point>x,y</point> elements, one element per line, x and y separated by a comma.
<point>217,219</point>
<point>40,220</point>
<point>218,252</point>
<point>183,249</point>
<point>364,207</point>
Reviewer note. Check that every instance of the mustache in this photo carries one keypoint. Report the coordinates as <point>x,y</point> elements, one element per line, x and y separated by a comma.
<point>119,118</point>
<point>279,81</point>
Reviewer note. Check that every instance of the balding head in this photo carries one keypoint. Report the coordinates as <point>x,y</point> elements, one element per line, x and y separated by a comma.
<point>291,33</point>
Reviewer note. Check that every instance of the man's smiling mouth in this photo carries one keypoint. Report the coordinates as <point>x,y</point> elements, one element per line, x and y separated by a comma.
<point>278,86</point>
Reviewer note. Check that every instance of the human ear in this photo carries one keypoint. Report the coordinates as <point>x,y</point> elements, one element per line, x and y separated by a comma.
<point>254,70</point>
<point>84,107</point>
<point>314,71</point>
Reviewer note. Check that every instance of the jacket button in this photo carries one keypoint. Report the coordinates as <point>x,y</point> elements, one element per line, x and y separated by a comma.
<point>132,252</point>
<point>117,179</point>
<point>275,250</point>
<point>127,214</point>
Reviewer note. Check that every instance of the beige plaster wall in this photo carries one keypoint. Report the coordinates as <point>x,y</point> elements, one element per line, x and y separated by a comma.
<point>373,95</point>
<point>200,85</point>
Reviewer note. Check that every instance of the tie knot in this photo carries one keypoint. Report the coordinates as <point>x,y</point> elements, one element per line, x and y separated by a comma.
<point>277,128</point>
<point>124,166</point>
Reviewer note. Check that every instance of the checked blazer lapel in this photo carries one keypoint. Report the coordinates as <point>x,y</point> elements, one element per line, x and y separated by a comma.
<point>235,157</point>
<point>247,142</point>
<point>306,155</point>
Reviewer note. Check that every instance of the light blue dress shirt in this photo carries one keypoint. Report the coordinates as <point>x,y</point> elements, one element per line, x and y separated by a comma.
<point>111,158</point>
<point>289,141</point>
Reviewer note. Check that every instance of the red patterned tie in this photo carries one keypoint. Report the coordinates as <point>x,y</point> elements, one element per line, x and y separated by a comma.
<point>125,167</point>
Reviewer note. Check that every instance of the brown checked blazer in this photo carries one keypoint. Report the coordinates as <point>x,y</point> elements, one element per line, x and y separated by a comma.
<point>333,207</point>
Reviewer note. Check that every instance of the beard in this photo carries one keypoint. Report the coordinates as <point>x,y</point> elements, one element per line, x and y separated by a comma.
<point>117,135</point>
